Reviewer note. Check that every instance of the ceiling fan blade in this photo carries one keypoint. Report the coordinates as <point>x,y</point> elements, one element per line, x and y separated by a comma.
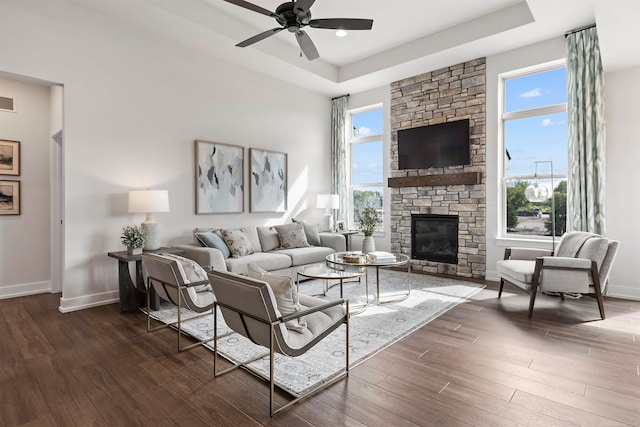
<point>307,46</point>
<point>342,23</point>
<point>253,7</point>
<point>303,6</point>
<point>259,37</point>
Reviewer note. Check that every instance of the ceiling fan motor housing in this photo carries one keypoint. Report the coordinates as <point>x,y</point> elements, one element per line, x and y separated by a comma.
<point>292,19</point>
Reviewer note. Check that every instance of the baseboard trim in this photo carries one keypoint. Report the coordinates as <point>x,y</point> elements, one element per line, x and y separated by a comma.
<point>15,291</point>
<point>68,305</point>
<point>623,292</point>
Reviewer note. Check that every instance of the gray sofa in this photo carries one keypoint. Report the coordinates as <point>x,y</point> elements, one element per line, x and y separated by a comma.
<point>266,251</point>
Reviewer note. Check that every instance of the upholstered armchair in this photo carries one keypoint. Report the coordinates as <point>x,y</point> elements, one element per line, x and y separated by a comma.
<point>249,308</point>
<point>581,264</point>
<point>182,282</point>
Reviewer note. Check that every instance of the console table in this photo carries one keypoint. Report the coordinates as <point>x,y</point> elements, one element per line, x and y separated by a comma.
<point>132,292</point>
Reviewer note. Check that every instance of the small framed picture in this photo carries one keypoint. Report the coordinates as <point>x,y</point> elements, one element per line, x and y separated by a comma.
<point>9,157</point>
<point>341,226</point>
<point>9,197</point>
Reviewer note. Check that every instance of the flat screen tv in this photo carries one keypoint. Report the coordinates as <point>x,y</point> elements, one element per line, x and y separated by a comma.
<point>435,146</point>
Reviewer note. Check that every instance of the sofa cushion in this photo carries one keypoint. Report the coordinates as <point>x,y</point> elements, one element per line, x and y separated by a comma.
<point>237,241</point>
<point>266,260</point>
<point>268,238</point>
<point>308,255</point>
<point>292,236</point>
<point>285,292</point>
<point>252,235</point>
<point>213,239</point>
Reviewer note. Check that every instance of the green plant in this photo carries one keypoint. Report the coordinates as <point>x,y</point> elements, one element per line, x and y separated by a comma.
<point>132,236</point>
<point>367,219</point>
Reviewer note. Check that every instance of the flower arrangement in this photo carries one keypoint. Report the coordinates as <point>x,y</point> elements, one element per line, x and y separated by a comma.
<point>367,219</point>
<point>132,236</point>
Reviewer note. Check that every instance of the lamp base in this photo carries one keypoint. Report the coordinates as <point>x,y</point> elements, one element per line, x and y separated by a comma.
<point>327,223</point>
<point>152,235</point>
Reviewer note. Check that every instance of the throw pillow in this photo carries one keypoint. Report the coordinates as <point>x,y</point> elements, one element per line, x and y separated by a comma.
<point>292,236</point>
<point>268,238</point>
<point>237,241</point>
<point>285,292</point>
<point>191,272</point>
<point>211,239</point>
<point>312,231</point>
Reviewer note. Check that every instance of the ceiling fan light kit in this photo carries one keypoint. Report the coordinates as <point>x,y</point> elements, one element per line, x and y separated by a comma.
<point>293,16</point>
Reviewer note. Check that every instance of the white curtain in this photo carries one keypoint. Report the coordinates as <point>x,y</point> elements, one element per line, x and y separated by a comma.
<point>339,154</point>
<point>586,133</point>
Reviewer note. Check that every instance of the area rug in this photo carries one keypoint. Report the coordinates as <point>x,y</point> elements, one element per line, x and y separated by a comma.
<point>372,330</point>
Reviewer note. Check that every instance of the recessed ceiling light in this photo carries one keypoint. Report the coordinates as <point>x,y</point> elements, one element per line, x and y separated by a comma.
<point>342,33</point>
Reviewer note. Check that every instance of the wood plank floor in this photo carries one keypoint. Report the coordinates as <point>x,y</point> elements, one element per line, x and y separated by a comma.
<point>483,363</point>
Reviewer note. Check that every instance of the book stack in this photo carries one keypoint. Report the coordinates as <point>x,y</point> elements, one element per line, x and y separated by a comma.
<point>381,256</point>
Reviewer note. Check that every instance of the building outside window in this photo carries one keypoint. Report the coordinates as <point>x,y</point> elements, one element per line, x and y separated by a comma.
<point>534,139</point>
<point>366,165</point>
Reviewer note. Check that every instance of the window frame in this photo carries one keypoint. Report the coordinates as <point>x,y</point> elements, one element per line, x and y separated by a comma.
<point>351,141</point>
<point>504,117</point>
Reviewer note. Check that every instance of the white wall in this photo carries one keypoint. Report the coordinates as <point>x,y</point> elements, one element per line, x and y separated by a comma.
<point>623,174</point>
<point>132,109</point>
<point>24,238</point>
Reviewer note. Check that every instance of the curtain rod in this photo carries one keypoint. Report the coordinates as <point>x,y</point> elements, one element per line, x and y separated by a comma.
<point>579,29</point>
<point>333,99</point>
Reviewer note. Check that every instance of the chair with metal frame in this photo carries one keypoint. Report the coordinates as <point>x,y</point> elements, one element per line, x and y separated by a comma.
<point>249,308</point>
<point>168,278</point>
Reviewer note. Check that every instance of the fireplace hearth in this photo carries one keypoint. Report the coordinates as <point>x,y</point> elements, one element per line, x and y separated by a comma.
<point>434,238</point>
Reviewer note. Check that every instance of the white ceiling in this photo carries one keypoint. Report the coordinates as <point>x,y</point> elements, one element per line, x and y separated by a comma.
<point>409,37</point>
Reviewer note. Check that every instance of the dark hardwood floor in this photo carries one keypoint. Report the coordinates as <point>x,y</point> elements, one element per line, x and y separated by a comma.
<point>483,363</point>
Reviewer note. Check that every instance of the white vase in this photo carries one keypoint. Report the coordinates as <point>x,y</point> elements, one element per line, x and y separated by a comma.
<point>134,251</point>
<point>368,245</point>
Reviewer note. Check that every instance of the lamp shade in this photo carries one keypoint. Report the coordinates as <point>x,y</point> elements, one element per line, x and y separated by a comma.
<point>148,201</point>
<point>328,201</point>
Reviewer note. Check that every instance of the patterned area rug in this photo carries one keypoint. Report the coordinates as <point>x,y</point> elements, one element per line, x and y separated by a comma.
<point>372,330</point>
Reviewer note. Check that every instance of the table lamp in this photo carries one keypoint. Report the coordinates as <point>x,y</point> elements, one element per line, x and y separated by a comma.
<point>328,202</point>
<point>149,201</point>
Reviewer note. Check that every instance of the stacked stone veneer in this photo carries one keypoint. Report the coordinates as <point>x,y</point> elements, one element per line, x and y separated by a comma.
<point>444,95</point>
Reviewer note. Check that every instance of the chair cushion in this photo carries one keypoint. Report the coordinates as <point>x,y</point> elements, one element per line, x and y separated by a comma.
<point>190,271</point>
<point>285,292</point>
<point>292,236</point>
<point>308,255</point>
<point>237,241</point>
<point>518,272</point>
<point>213,239</point>
<point>268,238</point>
<point>317,322</point>
<point>594,249</point>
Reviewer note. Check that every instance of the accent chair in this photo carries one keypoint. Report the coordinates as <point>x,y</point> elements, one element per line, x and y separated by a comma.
<point>249,308</point>
<point>581,264</point>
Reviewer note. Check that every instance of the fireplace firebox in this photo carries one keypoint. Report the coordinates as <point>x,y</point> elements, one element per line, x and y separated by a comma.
<point>434,238</point>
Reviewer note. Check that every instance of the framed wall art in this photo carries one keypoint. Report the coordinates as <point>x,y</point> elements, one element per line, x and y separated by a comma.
<point>9,157</point>
<point>219,178</point>
<point>268,181</point>
<point>9,197</point>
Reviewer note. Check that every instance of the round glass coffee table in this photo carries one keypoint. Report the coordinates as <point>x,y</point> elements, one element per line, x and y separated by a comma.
<point>325,273</point>
<point>340,260</point>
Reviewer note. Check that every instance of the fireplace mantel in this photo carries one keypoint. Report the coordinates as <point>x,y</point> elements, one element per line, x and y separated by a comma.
<point>460,178</point>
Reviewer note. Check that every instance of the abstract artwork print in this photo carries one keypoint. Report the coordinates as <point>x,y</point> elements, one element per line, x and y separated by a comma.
<point>268,176</point>
<point>219,178</point>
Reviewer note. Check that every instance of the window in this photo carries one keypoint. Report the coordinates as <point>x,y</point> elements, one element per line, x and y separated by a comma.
<point>366,165</point>
<point>534,137</point>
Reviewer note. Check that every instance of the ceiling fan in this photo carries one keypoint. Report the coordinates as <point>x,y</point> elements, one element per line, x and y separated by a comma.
<point>295,15</point>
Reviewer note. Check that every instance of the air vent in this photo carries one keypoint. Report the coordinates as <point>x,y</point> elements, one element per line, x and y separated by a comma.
<point>7,104</point>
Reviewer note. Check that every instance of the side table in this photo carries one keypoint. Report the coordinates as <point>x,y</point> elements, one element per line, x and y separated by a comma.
<point>132,292</point>
<point>347,237</point>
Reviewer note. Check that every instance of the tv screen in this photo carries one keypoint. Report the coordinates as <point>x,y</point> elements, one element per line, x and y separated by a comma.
<point>435,146</point>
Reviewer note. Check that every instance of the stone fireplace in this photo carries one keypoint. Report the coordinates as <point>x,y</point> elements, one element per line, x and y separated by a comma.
<point>434,238</point>
<point>451,93</point>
